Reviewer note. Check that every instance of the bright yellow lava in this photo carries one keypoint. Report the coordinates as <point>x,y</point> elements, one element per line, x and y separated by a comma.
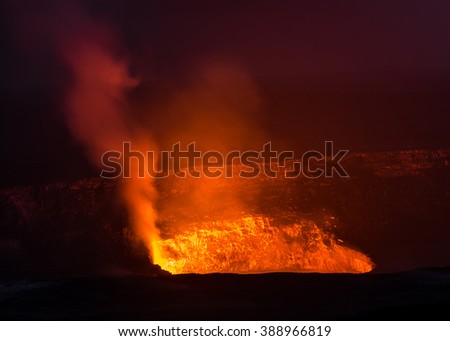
<point>252,245</point>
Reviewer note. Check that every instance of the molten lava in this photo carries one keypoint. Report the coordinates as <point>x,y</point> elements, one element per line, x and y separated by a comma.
<point>252,245</point>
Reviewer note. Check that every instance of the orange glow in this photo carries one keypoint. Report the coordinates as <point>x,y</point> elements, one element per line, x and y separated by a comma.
<point>140,195</point>
<point>252,245</point>
<point>220,112</point>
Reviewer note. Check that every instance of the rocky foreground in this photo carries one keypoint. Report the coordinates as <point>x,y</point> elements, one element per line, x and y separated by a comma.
<point>413,295</point>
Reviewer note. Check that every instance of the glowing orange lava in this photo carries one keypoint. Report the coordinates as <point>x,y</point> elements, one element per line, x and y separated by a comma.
<point>252,245</point>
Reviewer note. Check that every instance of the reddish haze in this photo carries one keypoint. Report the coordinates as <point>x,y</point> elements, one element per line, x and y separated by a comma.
<point>96,104</point>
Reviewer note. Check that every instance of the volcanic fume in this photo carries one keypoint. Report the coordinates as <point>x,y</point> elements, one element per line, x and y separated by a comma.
<point>96,106</point>
<point>218,112</point>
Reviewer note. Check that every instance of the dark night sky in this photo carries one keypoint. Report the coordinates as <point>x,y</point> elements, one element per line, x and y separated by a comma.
<point>369,75</point>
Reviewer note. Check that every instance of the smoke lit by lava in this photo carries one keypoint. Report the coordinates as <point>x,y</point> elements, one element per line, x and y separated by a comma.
<point>220,111</point>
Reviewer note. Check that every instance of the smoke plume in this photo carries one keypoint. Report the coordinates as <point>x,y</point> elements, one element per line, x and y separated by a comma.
<point>98,114</point>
